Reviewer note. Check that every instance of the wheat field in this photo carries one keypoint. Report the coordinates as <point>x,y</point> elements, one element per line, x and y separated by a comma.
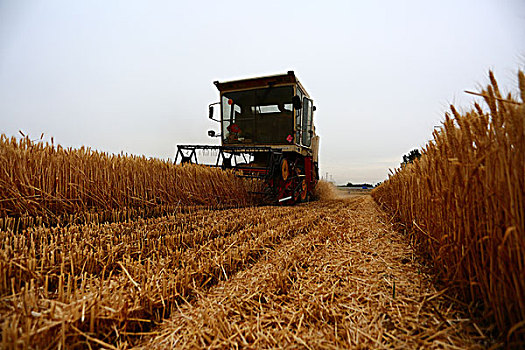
<point>42,183</point>
<point>463,202</point>
<point>119,252</point>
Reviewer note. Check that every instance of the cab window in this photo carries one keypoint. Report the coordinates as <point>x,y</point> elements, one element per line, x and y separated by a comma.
<point>306,127</point>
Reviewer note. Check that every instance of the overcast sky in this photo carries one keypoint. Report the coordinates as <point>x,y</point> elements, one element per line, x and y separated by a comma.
<point>136,76</point>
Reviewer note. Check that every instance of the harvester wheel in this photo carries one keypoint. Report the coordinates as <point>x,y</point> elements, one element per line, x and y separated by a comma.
<point>304,191</point>
<point>285,169</point>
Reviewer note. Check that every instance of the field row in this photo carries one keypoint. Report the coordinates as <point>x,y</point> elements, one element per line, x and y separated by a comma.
<point>349,281</point>
<point>110,283</point>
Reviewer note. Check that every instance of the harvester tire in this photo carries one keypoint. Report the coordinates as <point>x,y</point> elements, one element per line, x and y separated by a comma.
<point>304,191</point>
<point>285,169</point>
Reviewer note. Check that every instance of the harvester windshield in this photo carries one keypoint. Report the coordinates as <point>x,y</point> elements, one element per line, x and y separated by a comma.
<point>258,116</point>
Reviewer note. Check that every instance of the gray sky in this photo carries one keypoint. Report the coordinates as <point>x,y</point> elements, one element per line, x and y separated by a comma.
<point>136,76</point>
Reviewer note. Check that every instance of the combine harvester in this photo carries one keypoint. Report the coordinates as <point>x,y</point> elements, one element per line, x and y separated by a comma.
<point>267,134</point>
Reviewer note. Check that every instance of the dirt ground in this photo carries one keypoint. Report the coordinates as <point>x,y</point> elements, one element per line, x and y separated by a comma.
<point>343,278</point>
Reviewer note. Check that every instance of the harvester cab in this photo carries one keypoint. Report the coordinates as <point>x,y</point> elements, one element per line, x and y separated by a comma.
<point>267,133</point>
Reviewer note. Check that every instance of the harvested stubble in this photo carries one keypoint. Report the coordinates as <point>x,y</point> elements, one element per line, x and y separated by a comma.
<point>463,202</point>
<point>43,183</point>
<point>350,281</point>
<point>108,284</point>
